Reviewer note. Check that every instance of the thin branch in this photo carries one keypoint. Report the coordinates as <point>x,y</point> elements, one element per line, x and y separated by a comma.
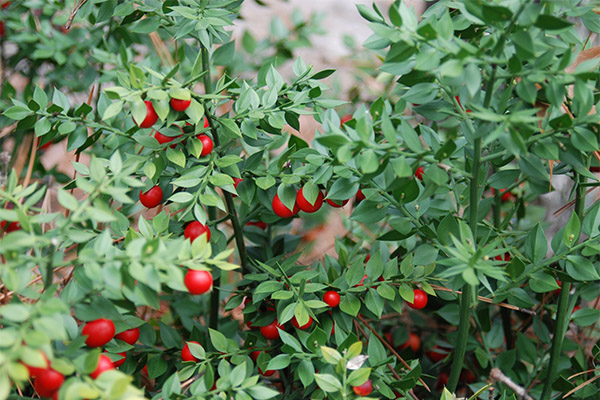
<point>391,348</point>
<point>498,376</point>
<point>486,300</point>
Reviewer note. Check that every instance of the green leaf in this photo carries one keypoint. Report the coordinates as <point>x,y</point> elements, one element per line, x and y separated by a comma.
<point>218,340</point>
<point>231,128</point>
<point>112,110</point>
<point>571,231</point>
<point>15,312</point>
<point>265,182</point>
<point>582,269</point>
<point>67,200</point>
<point>536,244</point>
<point>328,383</point>
<point>550,22</point>
<point>17,113</point>
<point>359,376</point>
<point>176,156</point>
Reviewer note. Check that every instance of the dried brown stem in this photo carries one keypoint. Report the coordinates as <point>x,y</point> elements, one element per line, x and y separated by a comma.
<point>486,300</point>
<point>498,376</point>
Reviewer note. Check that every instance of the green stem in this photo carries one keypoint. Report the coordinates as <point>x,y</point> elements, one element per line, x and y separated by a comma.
<point>562,314</point>
<point>562,320</point>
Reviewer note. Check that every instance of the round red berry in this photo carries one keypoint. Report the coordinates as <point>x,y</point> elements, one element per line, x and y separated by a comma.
<point>151,116</point>
<point>129,336</point>
<point>303,327</point>
<point>259,224</point>
<point>180,105</point>
<point>436,356</point>
<point>345,119</point>
<point>337,204</point>
<point>122,360</point>
<point>206,125</point>
<point>360,196</point>
<point>207,145</point>
<point>104,364</point>
<point>98,332</point>
<point>332,298</point>
<point>198,282</point>
<point>271,331</point>
<point>152,197</point>
<point>266,373</point>
<point>186,353</point>
<point>48,382</point>
<point>419,173</point>
<point>305,206</point>
<point>420,300</point>
<point>414,342</point>
<point>195,229</point>
<point>365,389</point>
<point>281,210</point>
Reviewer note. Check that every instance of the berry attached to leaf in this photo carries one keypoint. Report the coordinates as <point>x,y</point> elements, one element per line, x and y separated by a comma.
<point>98,332</point>
<point>194,229</point>
<point>305,206</point>
<point>152,198</point>
<point>151,116</point>
<point>420,300</point>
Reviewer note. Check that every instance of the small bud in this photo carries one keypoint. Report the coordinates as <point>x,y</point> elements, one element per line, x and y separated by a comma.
<point>486,258</point>
<point>417,207</point>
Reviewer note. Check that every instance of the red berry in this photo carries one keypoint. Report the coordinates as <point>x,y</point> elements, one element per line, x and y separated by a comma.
<point>442,380</point>
<point>121,361</point>
<point>303,327</point>
<point>360,196</point>
<point>180,105</point>
<point>186,353</point>
<point>305,206</point>
<point>436,356</point>
<point>206,125</point>
<point>195,229</point>
<point>254,355</point>
<point>5,5</point>
<point>151,116</point>
<point>162,139</point>
<point>362,281</point>
<point>35,371</point>
<point>267,373</point>
<point>419,173</point>
<point>129,336</point>
<point>576,308</point>
<point>365,389</point>
<point>506,195</point>
<point>260,224</point>
<point>332,298</point>
<point>345,119</point>
<point>48,382</point>
<point>420,300</point>
<point>281,210</point>
<point>414,342</point>
<point>337,204</point>
<point>236,182</point>
<point>198,282</point>
<point>207,145</point>
<point>99,332</point>
<point>12,226</point>
<point>466,376</point>
<point>2,29</point>
<point>152,197</point>
<point>271,331</point>
<point>506,257</point>
<point>104,364</point>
